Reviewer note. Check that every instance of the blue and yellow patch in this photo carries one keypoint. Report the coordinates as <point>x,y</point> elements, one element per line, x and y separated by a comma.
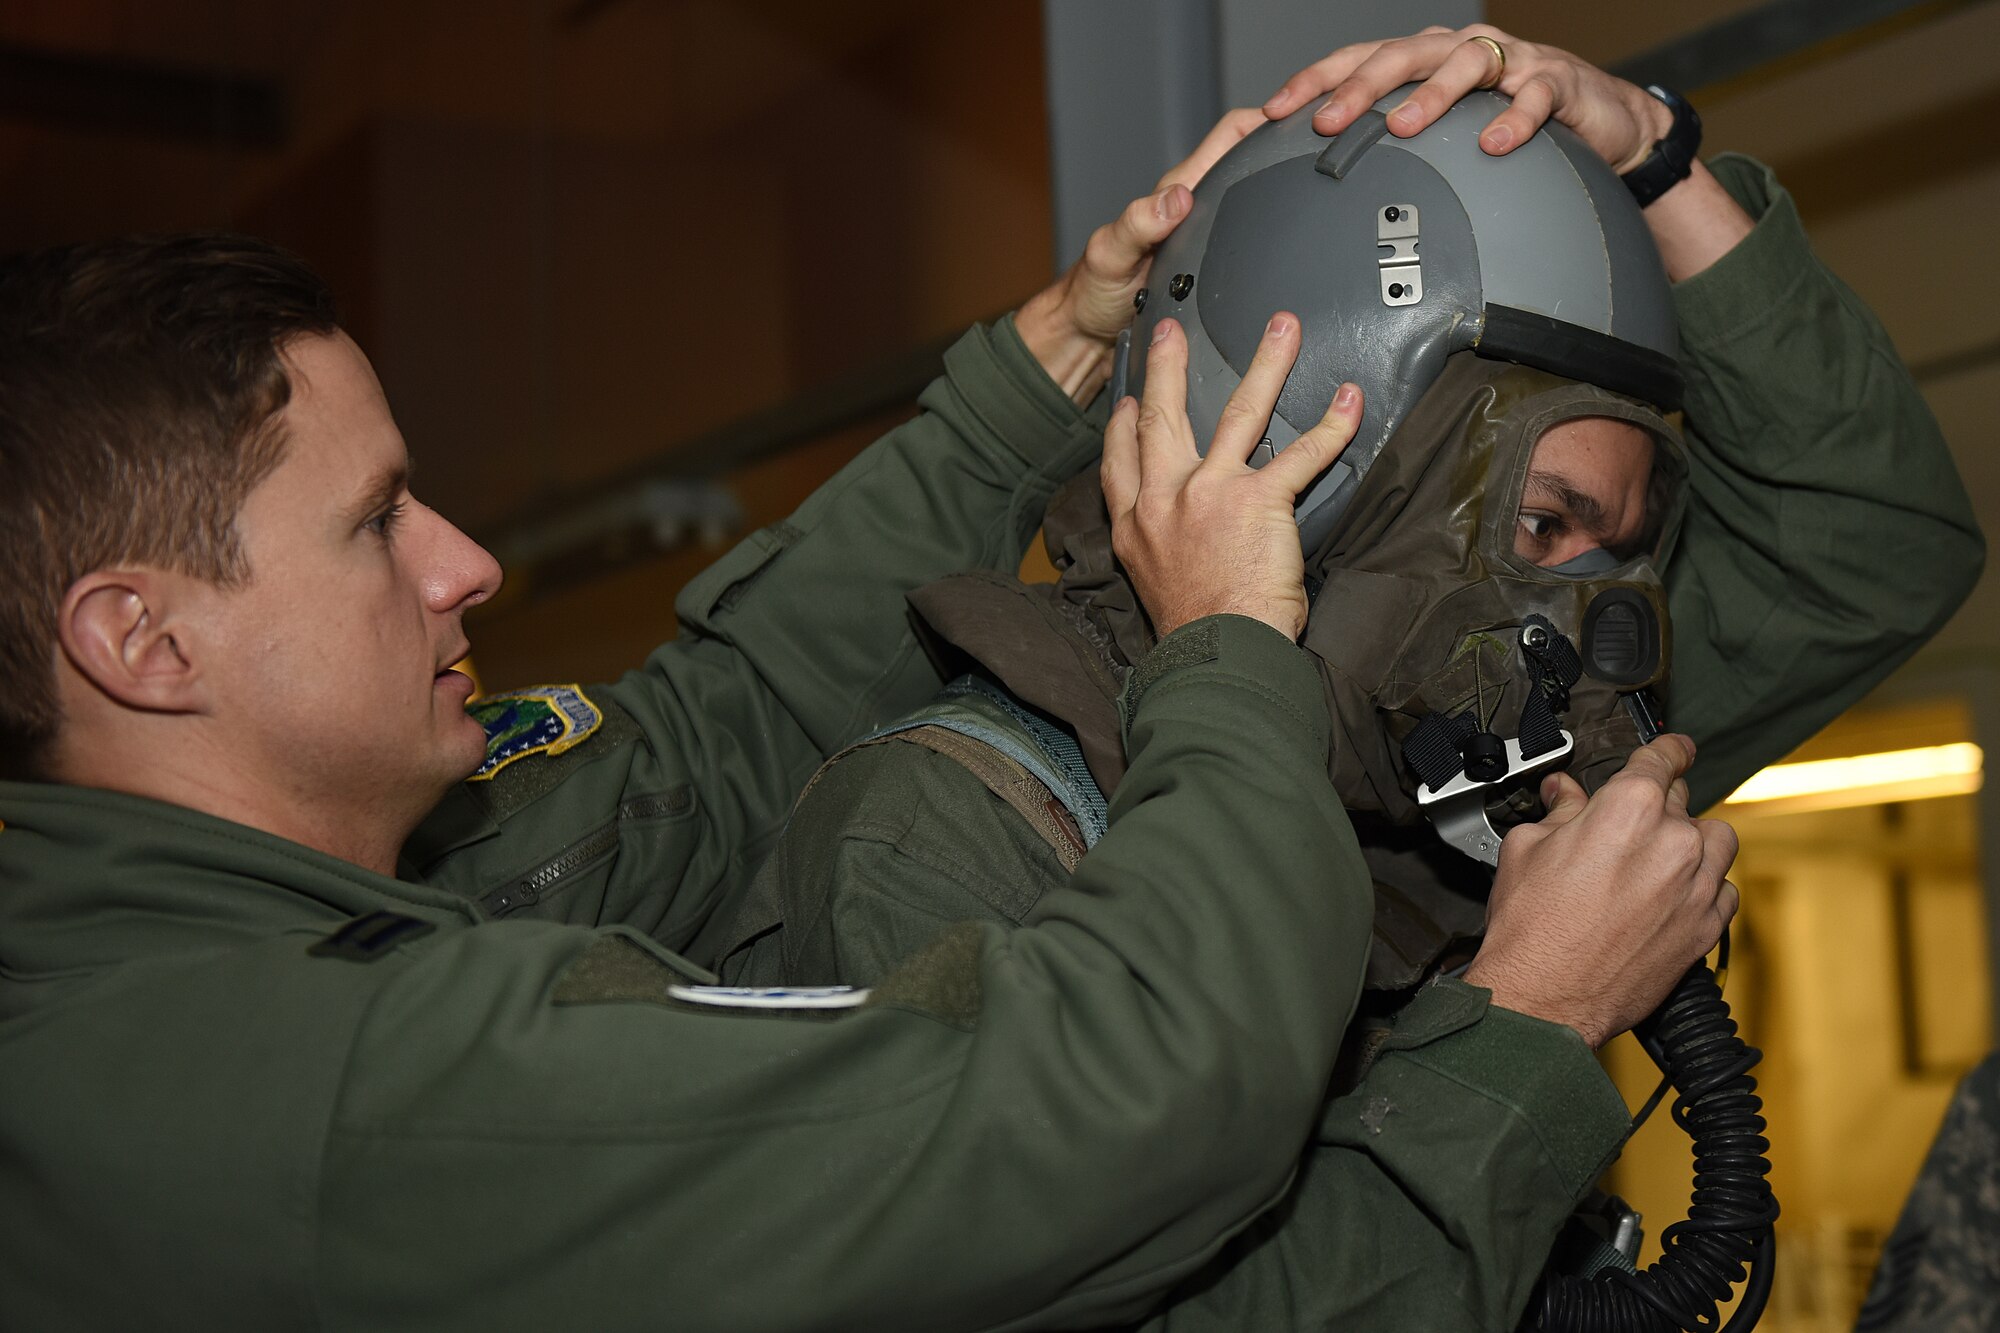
<point>546,719</point>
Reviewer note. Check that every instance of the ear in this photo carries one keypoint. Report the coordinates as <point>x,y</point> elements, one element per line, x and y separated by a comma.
<point>117,629</point>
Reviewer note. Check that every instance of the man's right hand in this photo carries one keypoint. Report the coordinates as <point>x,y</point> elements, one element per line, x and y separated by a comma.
<point>1600,908</point>
<point>1205,535</point>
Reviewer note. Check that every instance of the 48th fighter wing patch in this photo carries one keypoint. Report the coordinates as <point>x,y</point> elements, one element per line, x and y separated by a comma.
<point>546,719</point>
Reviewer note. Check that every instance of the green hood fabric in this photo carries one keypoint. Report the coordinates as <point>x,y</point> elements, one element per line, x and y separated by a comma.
<point>1420,595</point>
<point>1423,596</point>
<point>1419,570</point>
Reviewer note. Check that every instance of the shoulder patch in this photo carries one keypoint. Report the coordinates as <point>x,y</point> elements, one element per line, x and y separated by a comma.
<point>546,719</point>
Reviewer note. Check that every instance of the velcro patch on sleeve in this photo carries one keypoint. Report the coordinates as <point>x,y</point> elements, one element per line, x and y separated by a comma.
<point>546,719</point>
<point>615,968</point>
<point>1191,645</point>
<point>941,979</point>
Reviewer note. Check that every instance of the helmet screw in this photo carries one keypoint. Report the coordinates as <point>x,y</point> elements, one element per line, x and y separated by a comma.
<point>1534,637</point>
<point>1139,302</point>
<point>1395,290</point>
<point>1182,284</point>
<point>1391,213</point>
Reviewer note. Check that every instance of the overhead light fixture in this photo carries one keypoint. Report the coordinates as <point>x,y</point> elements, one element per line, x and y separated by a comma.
<point>1864,779</point>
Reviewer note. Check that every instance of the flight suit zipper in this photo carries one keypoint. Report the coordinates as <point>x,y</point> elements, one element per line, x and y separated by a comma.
<point>583,854</point>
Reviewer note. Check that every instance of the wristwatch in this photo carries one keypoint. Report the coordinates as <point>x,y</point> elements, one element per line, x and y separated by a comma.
<point>1672,158</point>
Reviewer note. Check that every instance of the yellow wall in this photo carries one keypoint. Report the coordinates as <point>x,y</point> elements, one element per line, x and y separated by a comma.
<point>1860,969</point>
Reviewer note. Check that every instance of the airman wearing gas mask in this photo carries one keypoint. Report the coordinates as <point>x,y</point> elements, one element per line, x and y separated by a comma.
<point>1489,566</point>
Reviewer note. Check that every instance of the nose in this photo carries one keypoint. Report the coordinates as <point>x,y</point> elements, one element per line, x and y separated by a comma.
<point>459,571</point>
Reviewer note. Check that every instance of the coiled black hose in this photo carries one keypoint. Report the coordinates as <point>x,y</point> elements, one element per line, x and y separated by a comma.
<point>1727,1231</point>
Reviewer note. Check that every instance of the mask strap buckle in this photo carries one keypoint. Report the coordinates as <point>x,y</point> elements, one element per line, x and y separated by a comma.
<point>1458,808</point>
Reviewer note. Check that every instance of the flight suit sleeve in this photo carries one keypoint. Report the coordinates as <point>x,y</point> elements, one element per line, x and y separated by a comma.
<point>1428,1198</point>
<point>1039,1128</point>
<point>1430,1195</point>
<point>790,644</point>
<point>1828,534</point>
<point>812,611</point>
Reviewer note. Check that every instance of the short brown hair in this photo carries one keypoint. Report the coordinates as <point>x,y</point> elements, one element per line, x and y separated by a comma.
<point>140,381</point>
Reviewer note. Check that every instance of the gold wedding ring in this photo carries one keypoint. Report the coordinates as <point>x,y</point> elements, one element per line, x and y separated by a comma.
<point>1499,60</point>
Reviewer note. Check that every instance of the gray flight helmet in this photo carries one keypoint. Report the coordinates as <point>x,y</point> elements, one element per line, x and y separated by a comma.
<point>1395,253</point>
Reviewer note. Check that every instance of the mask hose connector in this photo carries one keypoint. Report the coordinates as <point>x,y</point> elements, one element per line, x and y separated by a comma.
<point>1728,1229</point>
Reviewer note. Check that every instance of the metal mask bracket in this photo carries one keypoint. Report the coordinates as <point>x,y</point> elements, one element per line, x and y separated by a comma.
<point>1402,271</point>
<point>1458,809</point>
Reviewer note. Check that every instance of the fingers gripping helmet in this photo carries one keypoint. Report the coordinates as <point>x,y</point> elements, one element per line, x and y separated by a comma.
<point>1396,253</point>
<point>1479,302</point>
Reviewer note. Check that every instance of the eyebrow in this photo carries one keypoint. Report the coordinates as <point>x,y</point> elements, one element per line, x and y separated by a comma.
<point>1582,505</point>
<point>382,489</point>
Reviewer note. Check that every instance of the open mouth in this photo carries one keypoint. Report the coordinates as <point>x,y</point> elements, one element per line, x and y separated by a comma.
<point>450,676</point>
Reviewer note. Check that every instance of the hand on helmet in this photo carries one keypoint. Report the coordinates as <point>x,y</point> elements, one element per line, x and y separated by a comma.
<point>1071,325</point>
<point>1617,119</point>
<point>1601,907</point>
<point>1204,535</point>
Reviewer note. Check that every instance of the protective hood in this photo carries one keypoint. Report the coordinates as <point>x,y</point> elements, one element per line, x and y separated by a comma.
<point>1419,616</point>
<point>1448,657</point>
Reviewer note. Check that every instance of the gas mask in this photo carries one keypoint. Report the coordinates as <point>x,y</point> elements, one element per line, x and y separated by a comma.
<point>1466,652</point>
<point>1485,558</point>
<point>1481,303</point>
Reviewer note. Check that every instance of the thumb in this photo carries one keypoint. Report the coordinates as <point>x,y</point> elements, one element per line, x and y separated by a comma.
<point>1564,797</point>
<point>1118,250</point>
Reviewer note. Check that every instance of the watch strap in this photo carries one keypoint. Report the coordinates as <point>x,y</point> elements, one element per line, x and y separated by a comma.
<point>1672,157</point>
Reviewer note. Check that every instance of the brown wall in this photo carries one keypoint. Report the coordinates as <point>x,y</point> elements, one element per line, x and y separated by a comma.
<point>572,235</point>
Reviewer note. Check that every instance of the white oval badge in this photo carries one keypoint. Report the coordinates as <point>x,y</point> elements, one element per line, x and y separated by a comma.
<point>771,997</point>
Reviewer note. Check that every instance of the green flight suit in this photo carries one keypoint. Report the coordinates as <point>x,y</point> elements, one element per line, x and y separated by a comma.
<point>220,1108</point>
<point>1827,536</point>
<point>250,1086</point>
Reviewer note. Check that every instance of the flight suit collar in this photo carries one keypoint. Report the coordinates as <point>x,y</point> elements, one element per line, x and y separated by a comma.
<point>91,878</point>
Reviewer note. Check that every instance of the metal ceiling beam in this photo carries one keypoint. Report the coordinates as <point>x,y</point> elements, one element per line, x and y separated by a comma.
<point>1956,139</point>
<point>674,497</point>
<point>1962,362</point>
<point>1775,39</point>
<point>1763,42</point>
<point>91,94</point>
